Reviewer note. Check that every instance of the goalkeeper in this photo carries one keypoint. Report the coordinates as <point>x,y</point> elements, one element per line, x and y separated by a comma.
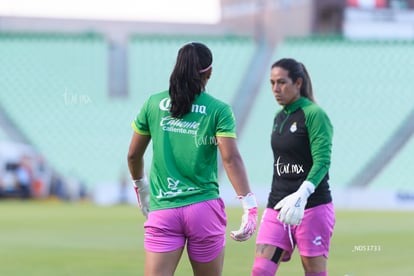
<point>180,198</point>
<point>299,211</point>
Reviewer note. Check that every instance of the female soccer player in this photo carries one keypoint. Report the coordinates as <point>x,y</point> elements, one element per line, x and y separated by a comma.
<point>299,211</point>
<point>181,200</point>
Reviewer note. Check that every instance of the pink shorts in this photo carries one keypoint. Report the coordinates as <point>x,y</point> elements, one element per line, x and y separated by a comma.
<point>312,236</point>
<point>201,225</point>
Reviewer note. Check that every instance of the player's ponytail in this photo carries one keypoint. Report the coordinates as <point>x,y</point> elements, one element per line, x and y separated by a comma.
<point>189,77</point>
<point>297,70</point>
<point>306,89</point>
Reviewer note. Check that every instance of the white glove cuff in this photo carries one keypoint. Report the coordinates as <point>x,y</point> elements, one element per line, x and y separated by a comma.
<point>307,188</point>
<point>248,201</point>
<point>140,182</point>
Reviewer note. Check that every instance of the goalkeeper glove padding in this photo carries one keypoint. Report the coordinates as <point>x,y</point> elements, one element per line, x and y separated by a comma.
<point>292,207</point>
<point>249,218</point>
<point>141,188</point>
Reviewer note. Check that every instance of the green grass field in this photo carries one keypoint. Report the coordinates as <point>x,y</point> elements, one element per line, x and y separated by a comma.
<point>57,238</point>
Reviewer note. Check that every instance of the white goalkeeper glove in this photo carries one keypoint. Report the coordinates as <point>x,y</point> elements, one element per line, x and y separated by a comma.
<point>249,218</point>
<point>141,188</point>
<point>292,207</point>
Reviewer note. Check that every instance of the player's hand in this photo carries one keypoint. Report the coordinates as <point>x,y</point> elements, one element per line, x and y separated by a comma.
<point>292,207</point>
<point>249,218</point>
<point>141,188</point>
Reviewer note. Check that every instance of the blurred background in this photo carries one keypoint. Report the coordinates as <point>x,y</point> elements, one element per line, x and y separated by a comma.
<point>73,75</point>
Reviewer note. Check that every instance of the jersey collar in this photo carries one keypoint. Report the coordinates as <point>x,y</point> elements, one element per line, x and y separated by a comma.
<point>302,101</point>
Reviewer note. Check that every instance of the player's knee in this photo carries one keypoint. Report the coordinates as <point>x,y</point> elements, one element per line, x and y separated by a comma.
<point>264,267</point>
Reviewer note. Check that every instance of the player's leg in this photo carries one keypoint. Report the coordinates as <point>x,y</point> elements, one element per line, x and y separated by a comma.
<point>274,243</point>
<point>313,237</point>
<point>205,228</point>
<point>164,242</point>
<point>162,264</point>
<point>267,260</point>
<point>315,266</point>
<point>214,267</point>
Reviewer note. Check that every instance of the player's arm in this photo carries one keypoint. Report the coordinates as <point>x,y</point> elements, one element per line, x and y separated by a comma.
<point>139,142</point>
<point>320,136</point>
<point>234,166</point>
<point>137,147</point>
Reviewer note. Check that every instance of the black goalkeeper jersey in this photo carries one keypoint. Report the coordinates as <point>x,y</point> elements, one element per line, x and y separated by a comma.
<point>301,142</point>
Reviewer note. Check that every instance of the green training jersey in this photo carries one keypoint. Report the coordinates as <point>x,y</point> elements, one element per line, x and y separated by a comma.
<point>184,162</point>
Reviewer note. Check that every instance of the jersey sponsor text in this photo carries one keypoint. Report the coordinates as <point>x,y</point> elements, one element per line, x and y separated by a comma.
<point>287,168</point>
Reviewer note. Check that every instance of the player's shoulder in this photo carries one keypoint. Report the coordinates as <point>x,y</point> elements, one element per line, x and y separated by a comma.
<point>159,95</point>
<point>209,99</point>
<point>313,108</point>
<point>161,99</point>
<point>315,114</point>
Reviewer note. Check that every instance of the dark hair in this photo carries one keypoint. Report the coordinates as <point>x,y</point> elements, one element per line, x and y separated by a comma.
<point>188,78</point>
<point>297,70</point>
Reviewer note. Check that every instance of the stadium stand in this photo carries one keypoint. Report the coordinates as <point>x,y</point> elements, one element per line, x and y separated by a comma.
<point>397,174</point>
<point>152,59</point>
<point>51,88</point>
<point>55,89</point>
